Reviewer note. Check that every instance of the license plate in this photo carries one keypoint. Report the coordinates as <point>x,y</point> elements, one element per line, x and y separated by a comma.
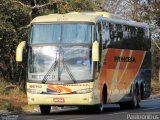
<point>58,99</point>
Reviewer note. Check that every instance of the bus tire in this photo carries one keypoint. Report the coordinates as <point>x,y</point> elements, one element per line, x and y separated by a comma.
<point>100,107</point>
<point>134,103</point>
<point>45,109</point>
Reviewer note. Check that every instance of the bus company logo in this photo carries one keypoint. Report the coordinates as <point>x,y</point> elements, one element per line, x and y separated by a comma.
<point>58,89</point>
<point>124,59</point>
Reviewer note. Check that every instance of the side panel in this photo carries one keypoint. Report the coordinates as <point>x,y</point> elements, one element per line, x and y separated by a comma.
<point>120,68</point>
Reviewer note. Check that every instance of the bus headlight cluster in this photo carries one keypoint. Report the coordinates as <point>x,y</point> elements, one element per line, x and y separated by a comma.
<point>34,91</point>
<point>88,90</point>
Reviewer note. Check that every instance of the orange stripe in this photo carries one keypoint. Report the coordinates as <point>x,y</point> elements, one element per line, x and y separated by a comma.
<point>59,87</point>
<point>111,64</point>
<point>127,70</point>
<point>52,88</point>
<point>107,70</point>
<point>132,70</point>
<point>64,88</point>
<point>122,65</point>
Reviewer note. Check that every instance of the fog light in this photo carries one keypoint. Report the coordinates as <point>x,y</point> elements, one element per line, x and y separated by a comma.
<point>88,99</point>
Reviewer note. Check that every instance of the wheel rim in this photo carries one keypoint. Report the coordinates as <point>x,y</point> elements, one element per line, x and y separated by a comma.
<point>101,107</point>
<point>135,100</point>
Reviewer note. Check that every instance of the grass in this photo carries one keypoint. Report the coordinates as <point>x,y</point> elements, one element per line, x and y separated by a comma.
<point>155,85</point>
<point>2,86</point>
<point>14,100</point>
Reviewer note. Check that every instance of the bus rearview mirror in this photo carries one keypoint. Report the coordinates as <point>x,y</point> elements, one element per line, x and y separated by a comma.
<point>95,51</point>
<point>19,51</point>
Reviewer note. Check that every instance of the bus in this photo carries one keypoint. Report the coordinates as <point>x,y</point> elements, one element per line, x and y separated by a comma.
<point>87,60</point>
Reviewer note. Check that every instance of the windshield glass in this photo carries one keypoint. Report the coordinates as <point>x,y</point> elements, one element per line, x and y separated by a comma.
<point>62,33</point>
<point>60,63</point>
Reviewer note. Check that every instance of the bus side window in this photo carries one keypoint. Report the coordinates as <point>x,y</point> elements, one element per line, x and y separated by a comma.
<point>119,36</point>
<point>140,39</point>
<point>111,32</point>
<point>105,34</point>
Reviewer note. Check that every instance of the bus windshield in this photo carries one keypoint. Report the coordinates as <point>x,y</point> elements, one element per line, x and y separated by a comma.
<point>61,33</point>
<point>63,53</point>
<point>60,63</point>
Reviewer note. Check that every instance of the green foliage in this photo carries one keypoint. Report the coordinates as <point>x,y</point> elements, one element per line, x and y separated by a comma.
<point>15,18</point>
<point>2,86</point>
<point>76,5</point>
<point>4,105</point>
<point>151,14</point>
<point>155,16</point>
<point>155,60</point>
<point>156,11</point>
<point>12,17</point>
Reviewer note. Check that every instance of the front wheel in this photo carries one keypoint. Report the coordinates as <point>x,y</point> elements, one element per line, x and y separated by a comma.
<point>45,109</point>
<point>98,108</point>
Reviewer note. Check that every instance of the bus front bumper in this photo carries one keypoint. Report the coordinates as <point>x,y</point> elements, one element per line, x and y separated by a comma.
<point>67,99</point>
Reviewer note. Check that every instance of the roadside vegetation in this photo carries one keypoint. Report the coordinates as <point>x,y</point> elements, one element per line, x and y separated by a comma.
<point>155,84</point>
<point>12,98</point>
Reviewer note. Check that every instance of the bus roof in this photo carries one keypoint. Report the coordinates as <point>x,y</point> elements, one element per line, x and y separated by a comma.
<point>86,17</point>
<point>65,18</point>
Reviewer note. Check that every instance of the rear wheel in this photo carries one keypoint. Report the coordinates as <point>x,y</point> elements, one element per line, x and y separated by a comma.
<point>45,109</point>
<point>135,99</point>
<point>134,103</point>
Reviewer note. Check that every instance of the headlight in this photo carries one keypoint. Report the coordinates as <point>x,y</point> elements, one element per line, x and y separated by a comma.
<point>34,91</point>
<point>84,91</point>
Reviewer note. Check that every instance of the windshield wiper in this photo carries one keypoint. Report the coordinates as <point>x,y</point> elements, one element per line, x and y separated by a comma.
<point>53,67</point>
<point>67,68</point>
<point>69,72</point>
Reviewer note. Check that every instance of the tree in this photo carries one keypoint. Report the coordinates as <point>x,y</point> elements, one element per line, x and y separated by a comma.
<point>155,13</point>
<point>156,59</point>
<point>152,16</point>
<point>15,18</point>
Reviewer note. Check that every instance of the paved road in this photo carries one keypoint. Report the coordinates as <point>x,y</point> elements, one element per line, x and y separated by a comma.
<point>150,109</point>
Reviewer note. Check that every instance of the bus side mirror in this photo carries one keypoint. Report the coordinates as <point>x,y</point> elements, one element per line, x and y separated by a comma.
<point>95,51</point>
<point>19,51</point>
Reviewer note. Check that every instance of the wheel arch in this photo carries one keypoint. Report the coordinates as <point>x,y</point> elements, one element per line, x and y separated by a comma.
<point>105,93</point>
